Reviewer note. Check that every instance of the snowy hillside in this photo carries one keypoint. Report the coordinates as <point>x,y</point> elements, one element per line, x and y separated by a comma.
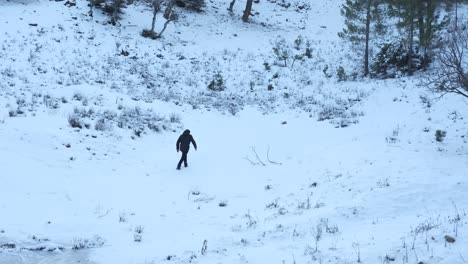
<point>292,166</point>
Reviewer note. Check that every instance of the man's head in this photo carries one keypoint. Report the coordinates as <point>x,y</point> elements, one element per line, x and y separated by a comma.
<point>186,132</point>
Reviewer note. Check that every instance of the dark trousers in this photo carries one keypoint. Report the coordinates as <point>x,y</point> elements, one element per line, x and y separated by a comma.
<point>183,159</point>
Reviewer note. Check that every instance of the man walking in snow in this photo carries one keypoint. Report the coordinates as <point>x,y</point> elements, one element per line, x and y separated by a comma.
<point>183,144</point>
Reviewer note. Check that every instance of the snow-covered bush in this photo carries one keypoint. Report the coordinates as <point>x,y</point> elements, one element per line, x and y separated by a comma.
<point>341,74</point>
<point>146,33</point>
<point>282,51</point>
<point>440,135</point>
<point>330,112</point>
<point>392,61</point>
<point>174,118</point>
<point>217,83</point>
<point>113,8</point>
<point>137,235</point>
<point>102,125</point>
<point>75,121</point>
<point>83,243</point>
<point>196,5</point>
<point>325,71</point>
<point>135,119</point>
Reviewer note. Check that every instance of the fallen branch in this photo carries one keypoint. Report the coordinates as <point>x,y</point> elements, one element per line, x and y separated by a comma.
<point>268,158</point>
<point>258,158</point>
<point>105,214</point>
<point>251,162</point>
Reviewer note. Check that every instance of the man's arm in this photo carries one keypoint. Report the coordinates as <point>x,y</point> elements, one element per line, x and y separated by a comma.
<point>193,142</point>
<point>178,143</point>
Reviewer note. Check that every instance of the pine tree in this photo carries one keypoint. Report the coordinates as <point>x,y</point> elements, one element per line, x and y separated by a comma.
<point>362,17</point>
<point>420,22</point>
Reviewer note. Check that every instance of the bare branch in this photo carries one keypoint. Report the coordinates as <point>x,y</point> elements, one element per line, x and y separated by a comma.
<point>452,75</point>
<point>258,158</point>
<point>105,214</point>
<point>251,162</point>
<point>463,259</point>
<point>268,158</point>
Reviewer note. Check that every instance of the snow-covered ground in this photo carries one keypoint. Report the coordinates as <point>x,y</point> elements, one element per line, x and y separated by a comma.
<point>368,183</point>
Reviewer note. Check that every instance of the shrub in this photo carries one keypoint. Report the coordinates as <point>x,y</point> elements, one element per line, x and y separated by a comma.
<point>122,217</point>
<point>392,60</point>
<point>308,50</point>
<point>50,102</point>
<point>75,121</point>
<point>146,33</point>
<point>77,96</point>
<point>196,5</point>
<point>101,125</point>
<point>137,237</point>
<point>341,74</point>
<point>325,71</point>
<point>329,112</point>
<point>174,118</point>
<point>139,229</point>
<point>440,135</point>
<point>282,50</point>
<point>217,83</point>
<point>298,42</point>
<point>82,243</point>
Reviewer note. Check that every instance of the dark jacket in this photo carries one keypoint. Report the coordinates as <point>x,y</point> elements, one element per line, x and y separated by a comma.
<point>183,143</point>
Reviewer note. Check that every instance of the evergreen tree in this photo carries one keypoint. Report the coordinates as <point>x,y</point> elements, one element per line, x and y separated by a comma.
<point>419,21</point>
<point>362,17</point>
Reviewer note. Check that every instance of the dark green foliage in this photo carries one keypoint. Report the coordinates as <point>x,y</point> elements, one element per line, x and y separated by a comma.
<point>354,21</point>
<point>196,5</point>
<point>217,83</point>
<point>440,135</point>
<point>392,60</point>
<point>285,52</point>
<point>75,121</point>
<point>282,51</point>
<point>308,53</point>
<point>341,74</point>
<point>298,42</point>
<point>325,71</point>
<point>149,34</point>
<point>421,24</point>
<point>362,18</point>
<point>113,8</point>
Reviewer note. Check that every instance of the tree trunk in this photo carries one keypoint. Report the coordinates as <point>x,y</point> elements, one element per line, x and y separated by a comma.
<point>164,28</point>
<point>422,34</point>
<point>231,6</point>
<point>153,22</point>
<point>248,9</point>
<point>429,34</point>
<point>411,43</point>
<point>456,15</point>
<point>91,5</point>
<point>366,52</point>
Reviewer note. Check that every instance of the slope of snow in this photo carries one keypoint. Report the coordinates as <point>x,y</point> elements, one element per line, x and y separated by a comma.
<point>378,189</point>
